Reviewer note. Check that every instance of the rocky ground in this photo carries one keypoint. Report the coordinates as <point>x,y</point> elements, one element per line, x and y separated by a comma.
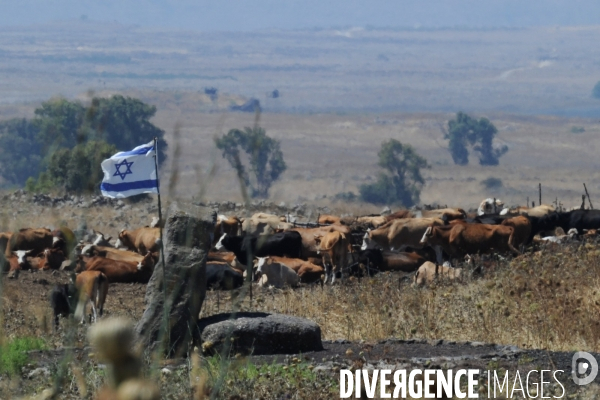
<point>26,312</point>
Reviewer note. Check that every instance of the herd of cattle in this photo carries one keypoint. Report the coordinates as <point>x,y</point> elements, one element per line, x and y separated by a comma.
<point>280,253</point>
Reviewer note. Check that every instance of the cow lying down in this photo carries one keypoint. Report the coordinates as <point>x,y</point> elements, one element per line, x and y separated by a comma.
<point>429,272</point>
<point>277,274</point>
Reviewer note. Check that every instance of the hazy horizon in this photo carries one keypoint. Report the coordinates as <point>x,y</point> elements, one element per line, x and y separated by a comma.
<point>230,15</point>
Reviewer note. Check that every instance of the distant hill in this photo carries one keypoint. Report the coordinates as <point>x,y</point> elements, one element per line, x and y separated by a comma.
<point>242,15</point>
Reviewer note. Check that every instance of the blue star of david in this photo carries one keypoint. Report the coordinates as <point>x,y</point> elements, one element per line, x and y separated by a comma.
<point>126,164</point>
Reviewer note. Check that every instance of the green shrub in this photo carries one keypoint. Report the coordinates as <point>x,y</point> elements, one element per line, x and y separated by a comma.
<point>76,170</point>
<point>345,196</point>
<point>596,91</point>
<point>492,183</point>
<point>577,129</point>
<point>13,355</point>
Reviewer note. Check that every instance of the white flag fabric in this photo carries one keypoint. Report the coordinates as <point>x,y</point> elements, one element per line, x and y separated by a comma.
<point>128,173</point>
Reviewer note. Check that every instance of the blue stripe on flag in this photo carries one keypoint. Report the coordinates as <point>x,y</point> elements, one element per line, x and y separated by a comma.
<point>135,152</point>
<point>122,187</point>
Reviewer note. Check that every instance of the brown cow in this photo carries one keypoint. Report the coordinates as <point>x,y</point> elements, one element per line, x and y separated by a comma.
<point>398,215</point>
<point>429,272</point>
<point>373,221</point>
<point>122,271</point>
<point>20,260</point>
<point>538,211</point>
<point>310,249</point>
<point>372,261</point>
<point>91,250</point>
<point>462,239</point>
<point>36,240</point>
<point>307,271</point>
<point>522,227</point>
<point>326,219</point>
<point>227,257</point>
<point>402,261</point>
<point>142,240</point>
<point>92,287</point>
<point>264,224</point>
<point>447,214</point>
<point>398,233</point>
<point>334,247</point>
<point>4,240</point>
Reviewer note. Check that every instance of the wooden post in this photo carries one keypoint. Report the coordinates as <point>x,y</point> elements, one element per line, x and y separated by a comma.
<point>588,196</point>
<point>540,190</point>
<point>162,247</point>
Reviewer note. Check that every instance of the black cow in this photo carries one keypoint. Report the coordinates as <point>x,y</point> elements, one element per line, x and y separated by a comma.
<point>371,261</point>
<point>62,300</point>
<point>282,244</point>
<point>578,219</point>
<point>222,277</point>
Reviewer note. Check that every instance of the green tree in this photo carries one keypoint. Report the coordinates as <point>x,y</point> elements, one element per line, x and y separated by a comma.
<point>264,155</point>
<point>402,181</point>
<point>479,134</point>
<point>596,91</point>
<point>59,122</point>
<point>124,122</point>
<point>76,170</point>
<point>20,152</point>
<point>61,130</point>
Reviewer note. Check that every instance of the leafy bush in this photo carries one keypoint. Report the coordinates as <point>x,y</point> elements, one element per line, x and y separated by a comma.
<point>492,183</point>
<point>13,355</point>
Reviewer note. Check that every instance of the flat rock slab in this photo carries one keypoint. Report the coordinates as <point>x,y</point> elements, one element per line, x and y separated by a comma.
<point>259,334</point>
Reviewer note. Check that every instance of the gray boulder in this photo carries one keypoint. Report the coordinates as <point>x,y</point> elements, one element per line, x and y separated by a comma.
<point>187,241</point>
<point>258,333</point>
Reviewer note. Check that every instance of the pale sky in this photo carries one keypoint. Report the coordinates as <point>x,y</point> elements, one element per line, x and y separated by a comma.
<point>246,15</point>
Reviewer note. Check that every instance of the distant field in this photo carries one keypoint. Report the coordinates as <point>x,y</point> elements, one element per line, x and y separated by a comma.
<point>330,153</point>
<point>327,154</point>
<point>342,94</point>
<point>546,70</point>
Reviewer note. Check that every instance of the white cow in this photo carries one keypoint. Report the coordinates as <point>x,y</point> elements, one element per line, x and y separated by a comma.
<point>277,274</point>
<point>487,206</point>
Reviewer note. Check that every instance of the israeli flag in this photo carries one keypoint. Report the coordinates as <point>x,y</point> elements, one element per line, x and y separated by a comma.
<point>128,173</point>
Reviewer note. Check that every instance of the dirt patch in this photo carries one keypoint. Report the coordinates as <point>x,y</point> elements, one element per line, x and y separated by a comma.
<point>27,312</point>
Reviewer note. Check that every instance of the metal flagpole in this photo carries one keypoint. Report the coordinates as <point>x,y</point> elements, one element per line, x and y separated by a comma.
<point>162,249</point>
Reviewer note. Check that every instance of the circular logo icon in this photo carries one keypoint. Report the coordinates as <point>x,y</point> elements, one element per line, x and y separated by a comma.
<point>580,367</point>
